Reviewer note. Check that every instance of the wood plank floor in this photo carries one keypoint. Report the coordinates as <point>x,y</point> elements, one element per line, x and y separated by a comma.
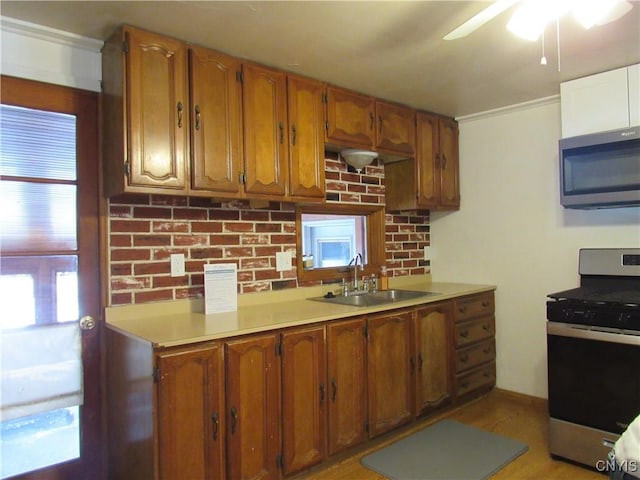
<point>514,416</point>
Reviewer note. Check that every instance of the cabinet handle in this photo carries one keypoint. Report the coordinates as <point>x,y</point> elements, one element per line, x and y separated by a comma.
<point>371,119</point>
<point>464,358</point>
<point>412,364</point>
<point>234,419</point>
<point>334,389</point>
<point>197,109</point>
<point>487,351</point>
<point>380,123</point>
<point>420,362</point>
<point>486,374</point>
<point>216,422</point>
<point>322,393</point>
<point>281,128</point>
<point>294,134</point>
<point>179,107</point>
<point>462,309</point>
<point>485,303</point>
<point>444,161</point>
<point>486,327</point>
<point>464,384</point>
<point>464,333</point>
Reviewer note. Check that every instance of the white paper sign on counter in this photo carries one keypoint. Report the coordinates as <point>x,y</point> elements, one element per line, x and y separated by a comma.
<point>220,288</point>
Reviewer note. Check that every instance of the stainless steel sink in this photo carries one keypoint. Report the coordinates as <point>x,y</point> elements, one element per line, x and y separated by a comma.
<point>381,297</point>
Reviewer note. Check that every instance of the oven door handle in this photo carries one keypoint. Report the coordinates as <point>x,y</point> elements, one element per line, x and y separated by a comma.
<point>574,331</point>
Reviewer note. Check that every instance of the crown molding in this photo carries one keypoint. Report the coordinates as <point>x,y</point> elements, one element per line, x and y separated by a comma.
<point>48,34</point>
<point>553,99</point>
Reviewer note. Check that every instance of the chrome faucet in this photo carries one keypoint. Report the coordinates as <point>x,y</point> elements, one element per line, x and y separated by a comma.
<point>354,262</point>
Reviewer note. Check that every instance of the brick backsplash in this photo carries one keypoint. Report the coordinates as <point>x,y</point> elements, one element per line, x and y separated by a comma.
<point>144,230</point>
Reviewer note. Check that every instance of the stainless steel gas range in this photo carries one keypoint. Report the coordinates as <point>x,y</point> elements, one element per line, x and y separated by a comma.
<point>593,347</point>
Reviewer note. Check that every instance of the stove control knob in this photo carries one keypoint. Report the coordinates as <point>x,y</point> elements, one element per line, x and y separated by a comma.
<point>624,320</point>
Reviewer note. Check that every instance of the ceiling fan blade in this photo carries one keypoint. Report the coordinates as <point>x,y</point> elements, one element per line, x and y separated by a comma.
<point>475,22</point>
<point>618,11</point>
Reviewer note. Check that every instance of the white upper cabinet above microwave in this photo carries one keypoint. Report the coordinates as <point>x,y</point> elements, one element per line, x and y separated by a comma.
<point>602,102</point>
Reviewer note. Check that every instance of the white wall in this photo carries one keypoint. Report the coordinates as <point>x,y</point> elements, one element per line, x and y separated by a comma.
<point>511,231</point>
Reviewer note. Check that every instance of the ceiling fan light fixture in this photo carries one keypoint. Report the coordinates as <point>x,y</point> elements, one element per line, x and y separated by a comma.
<point>529,20</point>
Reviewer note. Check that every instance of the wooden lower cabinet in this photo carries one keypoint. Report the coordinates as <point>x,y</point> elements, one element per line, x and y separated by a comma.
<point>190,402</point>
<point>347,386</point>
<point>253,408</point>
<point>391,370</point>
<point>433,350</point>
<point>270,405</point>
<point>304,398</point>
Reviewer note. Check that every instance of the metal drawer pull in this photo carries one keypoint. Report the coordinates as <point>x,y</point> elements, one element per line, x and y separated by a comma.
<point>608,443</point>
<point>334,389</point>
<point>462,309</point>
<point>420,362</point>
<point>486,327</point>
<point>464,333</point>
<point>464,358</point>
<point>485,303</point>
<point>487,351</point>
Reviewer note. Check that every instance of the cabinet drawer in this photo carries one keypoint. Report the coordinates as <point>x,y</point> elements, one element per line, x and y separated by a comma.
<point>484,376</point>
<point>474,330</point>
<point>473,306</point>
<point>475,355</point>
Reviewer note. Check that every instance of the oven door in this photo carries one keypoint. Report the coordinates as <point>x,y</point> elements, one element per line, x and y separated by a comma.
<point>593,376</point>
<point>594,389</point>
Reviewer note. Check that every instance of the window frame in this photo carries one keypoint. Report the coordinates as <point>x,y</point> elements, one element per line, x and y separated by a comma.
<point>375,238</point>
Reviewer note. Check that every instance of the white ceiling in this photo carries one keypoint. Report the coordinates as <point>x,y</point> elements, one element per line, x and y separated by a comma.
<point>392,50</point>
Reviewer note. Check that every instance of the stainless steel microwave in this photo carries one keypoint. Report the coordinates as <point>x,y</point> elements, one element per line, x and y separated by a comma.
<point>600,170</point>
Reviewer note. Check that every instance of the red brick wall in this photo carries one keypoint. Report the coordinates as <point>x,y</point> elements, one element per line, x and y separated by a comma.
<point>144,230</point>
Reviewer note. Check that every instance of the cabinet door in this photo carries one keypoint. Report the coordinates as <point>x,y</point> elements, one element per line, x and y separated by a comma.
<point>433,342</point>
<point>190,404</point>
<point>449,174</point>
<point>391,369</point>
<point>396,129</point>
<point>347,366</point>
<point>157,111</point>
<point>216,122</point>
<point>304,378</point>
<point>252,408</point>
<point>264,105</point>
<point>306,137</point>
<point>350,118</point>
<point>427,171</point>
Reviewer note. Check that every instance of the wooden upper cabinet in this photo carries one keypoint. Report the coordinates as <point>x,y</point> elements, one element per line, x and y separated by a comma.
<point>391,370</point>
<point>347,387</point>
<point>216,122</point>
<point>433,343</point>
<point>190,408</point>
<point>434,171</point>
<point>252,408</point>
<point>266,152</point>
<point>304,398</point>
<point>396,129</point>
<point>306,138</point>
<point>146,100</point>
<point>449,164</point>
<point>350,118</point>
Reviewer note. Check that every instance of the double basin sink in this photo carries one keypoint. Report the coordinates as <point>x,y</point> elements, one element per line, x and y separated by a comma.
<point>372,299</point>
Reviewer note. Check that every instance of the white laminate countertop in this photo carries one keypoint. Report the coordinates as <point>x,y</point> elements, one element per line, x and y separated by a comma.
<point>181,322</point>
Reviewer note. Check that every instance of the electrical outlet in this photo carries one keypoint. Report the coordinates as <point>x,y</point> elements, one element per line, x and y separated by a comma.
<point>427,253</point>
<point>177,265</point>
<point>283,261</point>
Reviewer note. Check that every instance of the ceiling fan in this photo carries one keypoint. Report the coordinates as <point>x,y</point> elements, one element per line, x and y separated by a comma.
<point>529,19</point>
